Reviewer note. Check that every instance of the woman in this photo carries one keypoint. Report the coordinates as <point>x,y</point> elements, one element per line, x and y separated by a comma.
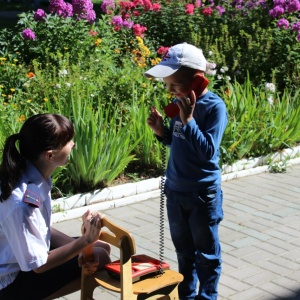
<point>36,260</point>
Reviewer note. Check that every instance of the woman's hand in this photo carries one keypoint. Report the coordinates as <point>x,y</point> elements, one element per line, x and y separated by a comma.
<point>92,226</point>
<point>90,267</point>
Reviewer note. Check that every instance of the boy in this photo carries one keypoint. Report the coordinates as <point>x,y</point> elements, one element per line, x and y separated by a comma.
<point>193,176</point>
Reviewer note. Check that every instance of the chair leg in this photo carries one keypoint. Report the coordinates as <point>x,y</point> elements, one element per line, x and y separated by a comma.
<point>88,285</point>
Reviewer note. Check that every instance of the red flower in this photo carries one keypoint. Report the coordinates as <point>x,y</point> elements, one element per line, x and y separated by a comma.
<point>162,50</point>
<point>139,30</point>
<point>93,33</point>
<point>189,9</point>
<point>147,5</point>
<point>156,7</point>
<point>207,11</point>
<point>136,13</point>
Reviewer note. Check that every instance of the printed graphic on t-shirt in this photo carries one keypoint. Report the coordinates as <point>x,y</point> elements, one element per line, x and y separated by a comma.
<point>177,130</point>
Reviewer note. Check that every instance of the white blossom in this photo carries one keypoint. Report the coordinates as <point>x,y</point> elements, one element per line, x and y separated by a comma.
<point>68,84</point>
<point>270,87</point>
<point>62,73</point>
<point>58,85</point>
<point>270,100</point>
<point>211,72</point>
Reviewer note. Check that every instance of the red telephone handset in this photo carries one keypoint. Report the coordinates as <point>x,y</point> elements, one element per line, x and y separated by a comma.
<point>172,109</point>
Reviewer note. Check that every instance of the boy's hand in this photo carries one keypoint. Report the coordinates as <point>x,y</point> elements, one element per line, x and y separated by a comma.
<point>155,122</point>
<point>187,105</point>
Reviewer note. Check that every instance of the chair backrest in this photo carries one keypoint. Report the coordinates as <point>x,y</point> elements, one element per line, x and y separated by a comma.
<point>123,240</point>
<point>115,235</point>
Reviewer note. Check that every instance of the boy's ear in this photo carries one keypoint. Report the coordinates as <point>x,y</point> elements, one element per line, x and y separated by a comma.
<point>48,155</point>
<point>199,84</point>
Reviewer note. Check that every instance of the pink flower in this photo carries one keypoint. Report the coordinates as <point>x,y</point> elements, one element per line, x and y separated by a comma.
<point>197,3</point>
<point>283,23</point>
<point>39,15</point>
<point>162,50</point>
<point>139,30</point>
<point>276,11</point>
<point>84,10</point>
<point>220,9</point>
<point>108,6</point>
<point>296,27</point>
<point>189,9</point>
<point>93,33</point>
<point>207,11</point>
<point>61,8</point>
<point>156,7</point>
<point>117,21</point>
<point>127,24</point>
<point>126,5</point>
<point>147,5</point>
<point>293,6</point>
<point>28,34</point>
<point>136,13</point>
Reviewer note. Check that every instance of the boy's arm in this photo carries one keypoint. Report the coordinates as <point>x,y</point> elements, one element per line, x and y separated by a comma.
<point>208,141</point>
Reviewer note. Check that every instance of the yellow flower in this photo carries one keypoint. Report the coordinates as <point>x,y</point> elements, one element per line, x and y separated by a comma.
<point>66,48</point>
<point>12,90</point>
<point>15,60</point>
<point>21,118</point>
<point>3,58</point>
<point>144,85</point>
<point>3,95</point>
<point>29,100</point>
<point>46,99</point>
<point>139,39</point>
<point>97,42</point>
<point>1,86</point>
<point>156,61</point>
<point>5,103</point>
<point>117,51</point>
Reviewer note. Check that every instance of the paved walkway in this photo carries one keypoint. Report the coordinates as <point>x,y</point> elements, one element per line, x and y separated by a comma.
<point>260,235</point>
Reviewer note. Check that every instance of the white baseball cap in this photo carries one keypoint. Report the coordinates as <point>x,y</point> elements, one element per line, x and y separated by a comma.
<point>177,56</point>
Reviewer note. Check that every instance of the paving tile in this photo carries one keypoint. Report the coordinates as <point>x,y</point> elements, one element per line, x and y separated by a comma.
<point>260,236</point>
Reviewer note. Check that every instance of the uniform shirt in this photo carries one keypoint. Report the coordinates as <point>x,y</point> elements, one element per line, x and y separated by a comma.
<point>25,229</point>
<point>194,155</point>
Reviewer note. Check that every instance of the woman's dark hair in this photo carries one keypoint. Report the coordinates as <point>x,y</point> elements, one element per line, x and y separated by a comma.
<point>39,133</point>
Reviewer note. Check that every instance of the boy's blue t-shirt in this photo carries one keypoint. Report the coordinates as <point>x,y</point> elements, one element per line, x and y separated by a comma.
<point>194,148</point>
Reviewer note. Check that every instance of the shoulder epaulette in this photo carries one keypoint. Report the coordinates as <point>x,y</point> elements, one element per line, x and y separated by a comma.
<point>31,196</point>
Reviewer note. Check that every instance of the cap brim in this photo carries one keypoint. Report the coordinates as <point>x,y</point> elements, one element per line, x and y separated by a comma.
<point>161,71</point>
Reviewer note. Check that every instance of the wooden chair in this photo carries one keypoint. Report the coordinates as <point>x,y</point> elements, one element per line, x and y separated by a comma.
<point>164,286</point>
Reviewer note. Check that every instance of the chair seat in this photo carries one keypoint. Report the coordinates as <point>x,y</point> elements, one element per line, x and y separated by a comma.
<point>144,286</point>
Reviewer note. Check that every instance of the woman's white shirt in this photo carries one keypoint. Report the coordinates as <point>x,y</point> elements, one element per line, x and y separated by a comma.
<point>25,229</point>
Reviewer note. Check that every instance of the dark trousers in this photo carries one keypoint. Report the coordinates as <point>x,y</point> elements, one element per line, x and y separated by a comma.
<point>37,286</point>
<point>194,218</point>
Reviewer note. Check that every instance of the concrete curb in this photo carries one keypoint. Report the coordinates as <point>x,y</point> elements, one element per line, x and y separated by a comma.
<point>75,206</point>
